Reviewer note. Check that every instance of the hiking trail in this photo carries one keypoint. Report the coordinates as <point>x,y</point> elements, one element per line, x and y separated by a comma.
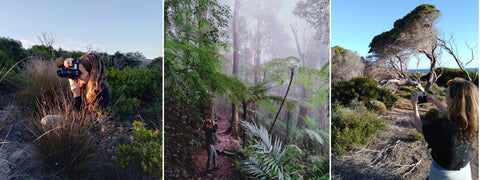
<point>225,146</point>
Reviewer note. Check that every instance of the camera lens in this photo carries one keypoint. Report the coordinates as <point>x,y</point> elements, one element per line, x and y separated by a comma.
<point>68,73</point>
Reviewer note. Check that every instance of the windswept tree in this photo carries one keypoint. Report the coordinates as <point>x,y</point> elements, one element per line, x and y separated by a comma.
<point>414,33</point>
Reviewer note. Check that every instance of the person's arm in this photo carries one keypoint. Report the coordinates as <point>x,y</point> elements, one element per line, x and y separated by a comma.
<point>416,119</point>
<point>77,100</point>
<point>437,103</point>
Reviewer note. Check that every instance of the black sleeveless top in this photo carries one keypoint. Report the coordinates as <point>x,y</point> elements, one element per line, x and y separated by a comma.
<point>448,151</point>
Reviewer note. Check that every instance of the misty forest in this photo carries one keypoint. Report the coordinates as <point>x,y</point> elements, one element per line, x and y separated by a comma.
<point>373,133</point>
<point>260,70</point>
<point>121,141</point>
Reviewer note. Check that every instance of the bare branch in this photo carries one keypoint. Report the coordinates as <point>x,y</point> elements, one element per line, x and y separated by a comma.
<point>46,39</point>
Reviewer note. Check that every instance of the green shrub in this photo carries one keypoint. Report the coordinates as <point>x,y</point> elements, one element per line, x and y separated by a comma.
<point>449,74</point>
<point>351,127</point>
<point>125,106</point>
<point>364,89</point>
<point>136,82</point>
<point>414,136</point>
<point>146,150</point>
<point>357,105</point>
<point>376,106</point>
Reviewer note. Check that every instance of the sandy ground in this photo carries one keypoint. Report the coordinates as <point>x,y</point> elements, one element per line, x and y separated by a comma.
<point>390,154</point>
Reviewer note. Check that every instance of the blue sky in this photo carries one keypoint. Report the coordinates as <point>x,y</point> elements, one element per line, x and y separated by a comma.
<point>107,25</point>
<point>355,23</point>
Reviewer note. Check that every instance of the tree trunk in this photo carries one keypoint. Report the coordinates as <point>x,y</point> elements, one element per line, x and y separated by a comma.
<point>303,111</point>
<point>259,46</point>
<point>236,45</point>
<point>288,127</point>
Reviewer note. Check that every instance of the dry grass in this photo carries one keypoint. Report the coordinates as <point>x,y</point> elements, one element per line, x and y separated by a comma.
<point>70,145</point>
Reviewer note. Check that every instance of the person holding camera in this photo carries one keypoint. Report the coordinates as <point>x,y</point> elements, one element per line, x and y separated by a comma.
<point>89,88</point>
<point>450,136</point>
<point>210,128</point>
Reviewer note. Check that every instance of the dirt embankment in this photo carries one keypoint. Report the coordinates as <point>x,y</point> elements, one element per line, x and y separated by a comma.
<point>390,154</point>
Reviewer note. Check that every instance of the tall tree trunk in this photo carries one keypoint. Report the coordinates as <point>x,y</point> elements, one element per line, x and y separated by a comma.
<point>236,46</point>
<point>301,48</point>
<point>259,46</point>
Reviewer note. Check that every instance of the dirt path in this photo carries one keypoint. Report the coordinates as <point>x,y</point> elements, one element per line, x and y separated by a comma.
<point>225,146</point>
<point>390,154</point>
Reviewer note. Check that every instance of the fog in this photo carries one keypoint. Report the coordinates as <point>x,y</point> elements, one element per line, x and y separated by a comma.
<point>266,31</point>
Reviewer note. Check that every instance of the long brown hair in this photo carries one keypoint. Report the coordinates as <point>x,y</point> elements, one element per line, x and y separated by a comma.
<point>462,109</point>
<point>95,84</point>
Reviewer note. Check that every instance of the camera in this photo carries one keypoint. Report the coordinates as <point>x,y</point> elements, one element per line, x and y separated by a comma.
<point>422,97</point>
<point>71,72</point>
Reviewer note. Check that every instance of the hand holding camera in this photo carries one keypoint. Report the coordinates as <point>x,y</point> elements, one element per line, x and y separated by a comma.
<point>68,68</point>
<point>422,97</point>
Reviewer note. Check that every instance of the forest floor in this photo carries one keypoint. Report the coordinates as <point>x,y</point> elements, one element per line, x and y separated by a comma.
<point>390,154</point>
<point>225,146</point>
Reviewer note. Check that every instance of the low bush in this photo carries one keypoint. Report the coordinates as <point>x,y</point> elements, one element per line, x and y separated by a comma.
<point>353,127</point>
<point>449,74</point>
<point>376,106</point>
<point>124,107</point>
<point>414,136</point>
<point>364,89</point>
<point>144,151</point>
<point>137,82</point>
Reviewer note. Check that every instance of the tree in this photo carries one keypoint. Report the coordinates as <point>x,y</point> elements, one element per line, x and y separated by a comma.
<point>47,40</point>
<point>414,33</point>
<point>11,51</point>
<point>316,13</point>
<point>236,46</point>
<point>345,65</point>
<point>451,47</point>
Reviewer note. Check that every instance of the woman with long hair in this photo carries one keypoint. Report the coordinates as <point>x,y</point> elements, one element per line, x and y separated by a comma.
<point>451,135</point>
<point>90,89</point>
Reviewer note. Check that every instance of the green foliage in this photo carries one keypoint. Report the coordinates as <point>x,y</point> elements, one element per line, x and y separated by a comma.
<point>353,127</point>
<point>449,74</point>
<point>338,50</point>
<point>269,158</point>
<point>146,149</point>
<point>277,72</point>
<point>11,51</point>
<point>364,89</point>
<point>125,106</point>
<point>187,21</point>
<point>122,60</point>
<point>376,106</point>
<point>415,137</point>
<point>137,82</point>
<point>42,52</point>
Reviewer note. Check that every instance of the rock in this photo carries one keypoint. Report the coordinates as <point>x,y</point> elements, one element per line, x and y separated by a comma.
<point>50,120</point>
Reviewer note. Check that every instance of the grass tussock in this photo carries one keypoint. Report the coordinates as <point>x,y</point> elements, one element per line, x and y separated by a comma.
<point>68,142</point>
<point>40,83</point>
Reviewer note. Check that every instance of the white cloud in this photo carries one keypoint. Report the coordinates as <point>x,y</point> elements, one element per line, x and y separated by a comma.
<point>27,43</point>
